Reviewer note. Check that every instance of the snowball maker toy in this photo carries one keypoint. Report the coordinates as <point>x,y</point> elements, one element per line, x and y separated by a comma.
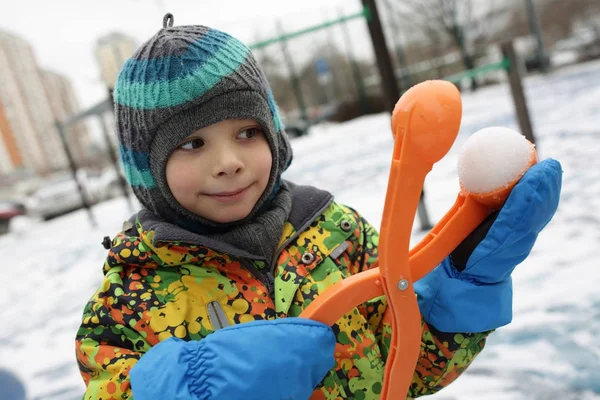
<point>425,123</point>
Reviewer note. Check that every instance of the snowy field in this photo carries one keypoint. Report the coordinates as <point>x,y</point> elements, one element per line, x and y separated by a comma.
<point>551,350</point>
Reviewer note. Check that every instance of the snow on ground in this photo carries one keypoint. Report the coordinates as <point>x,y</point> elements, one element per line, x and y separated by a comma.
<point>549,351</point>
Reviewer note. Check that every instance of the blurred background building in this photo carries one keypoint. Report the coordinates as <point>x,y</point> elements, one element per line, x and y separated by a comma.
<point>111,52</point>
<point>10,156</point>
<point>15,53</point>
<point>63,102</point>
<point>34,126</point>
<point>32,100</point>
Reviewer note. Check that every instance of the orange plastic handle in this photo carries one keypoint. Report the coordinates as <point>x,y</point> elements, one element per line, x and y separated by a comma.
<point>425,123</point>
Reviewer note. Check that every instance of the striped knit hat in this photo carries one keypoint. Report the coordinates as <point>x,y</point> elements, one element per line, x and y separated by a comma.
<point>182,79</point>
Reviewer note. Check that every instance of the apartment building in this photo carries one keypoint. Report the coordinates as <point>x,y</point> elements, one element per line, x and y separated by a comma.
<point>10,156</point>
<point>112,51</point>
<point>15,111</point>
<point>27,107</point>
<point>64,104</point>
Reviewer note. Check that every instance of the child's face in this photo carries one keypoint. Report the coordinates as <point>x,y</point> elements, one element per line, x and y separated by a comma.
<point>220,172</point>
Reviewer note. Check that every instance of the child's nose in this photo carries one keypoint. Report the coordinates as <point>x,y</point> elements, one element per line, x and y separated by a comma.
<point>227,163</point>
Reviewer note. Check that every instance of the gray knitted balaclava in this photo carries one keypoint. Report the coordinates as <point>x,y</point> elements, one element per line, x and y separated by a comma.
<point>182,79</point>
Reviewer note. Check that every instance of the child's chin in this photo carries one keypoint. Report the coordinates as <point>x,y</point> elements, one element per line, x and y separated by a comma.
<point>227,218</point>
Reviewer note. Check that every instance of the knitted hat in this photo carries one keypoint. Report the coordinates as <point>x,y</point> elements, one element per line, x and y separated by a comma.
<point>183,79</point>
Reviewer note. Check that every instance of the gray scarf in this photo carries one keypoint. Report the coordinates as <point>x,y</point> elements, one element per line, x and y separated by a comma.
<point>256,239</point>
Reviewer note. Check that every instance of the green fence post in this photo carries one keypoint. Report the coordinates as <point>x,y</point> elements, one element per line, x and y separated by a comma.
<point>112,153</point>
<point>73,167</point>
<point>534,26</point>
<point>293,75</point>
<point>334,82</point>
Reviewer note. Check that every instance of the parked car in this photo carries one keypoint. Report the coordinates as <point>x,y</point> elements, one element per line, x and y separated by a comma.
<point>583,45</point>
<point>109,184</point>
<point>59,195</point>
<point>296,128</point>
<point>8,210</point>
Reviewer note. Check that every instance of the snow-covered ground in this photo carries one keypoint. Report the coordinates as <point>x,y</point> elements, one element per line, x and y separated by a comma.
<point>551,349</point>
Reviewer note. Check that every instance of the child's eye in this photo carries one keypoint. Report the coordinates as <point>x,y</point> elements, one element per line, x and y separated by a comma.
<point>192,144</point>
<point>249,133</point>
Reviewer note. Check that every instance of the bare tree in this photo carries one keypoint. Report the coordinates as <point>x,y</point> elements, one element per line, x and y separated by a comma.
<point>456,19</point>
<point>559,18</point>
<point>416,29</point>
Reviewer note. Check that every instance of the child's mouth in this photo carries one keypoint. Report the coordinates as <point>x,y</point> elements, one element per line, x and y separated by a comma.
<point>230,195</point>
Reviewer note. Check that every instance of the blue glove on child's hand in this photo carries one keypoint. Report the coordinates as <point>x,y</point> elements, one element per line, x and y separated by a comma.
<point>471,290</point>
<point>284,358</point>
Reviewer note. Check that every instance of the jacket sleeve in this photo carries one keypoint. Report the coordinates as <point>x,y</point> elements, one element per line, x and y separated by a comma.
<point>444,356</point>
<point>108,342</point>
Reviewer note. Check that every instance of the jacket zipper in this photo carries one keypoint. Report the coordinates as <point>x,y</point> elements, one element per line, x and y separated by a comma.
<point>217,316</point>
<point>267,279</point>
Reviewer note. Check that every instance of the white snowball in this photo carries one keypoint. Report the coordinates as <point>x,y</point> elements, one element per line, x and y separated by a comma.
<point>492,158</point>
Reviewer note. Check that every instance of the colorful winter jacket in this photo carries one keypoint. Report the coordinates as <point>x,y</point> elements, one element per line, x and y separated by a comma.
<point>156,287</point>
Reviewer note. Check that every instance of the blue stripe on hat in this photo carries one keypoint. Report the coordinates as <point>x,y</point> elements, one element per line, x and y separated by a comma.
<point>154,70</point>
<point>274,111</point>
<point>180,90</point>
<point>136,167</point>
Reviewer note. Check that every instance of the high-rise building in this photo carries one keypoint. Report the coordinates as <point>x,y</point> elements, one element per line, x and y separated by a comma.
<point>15,111</point>
<point>10,156</point>
<point>64,104</point>
<point>111,52</point>
<point>27,107</point>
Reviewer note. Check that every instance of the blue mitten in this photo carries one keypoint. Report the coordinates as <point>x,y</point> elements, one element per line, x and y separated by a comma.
<point>284,358</point>
<point>471,290</point>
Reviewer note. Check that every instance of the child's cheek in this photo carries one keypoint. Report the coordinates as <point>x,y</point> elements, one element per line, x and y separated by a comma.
<point>266,167</point>
<point>182,179</point>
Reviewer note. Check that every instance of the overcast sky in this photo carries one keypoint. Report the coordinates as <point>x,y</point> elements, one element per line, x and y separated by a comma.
<point>63,32</point>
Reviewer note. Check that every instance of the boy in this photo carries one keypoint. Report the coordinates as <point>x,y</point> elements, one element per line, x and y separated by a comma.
<point>203,286</point>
